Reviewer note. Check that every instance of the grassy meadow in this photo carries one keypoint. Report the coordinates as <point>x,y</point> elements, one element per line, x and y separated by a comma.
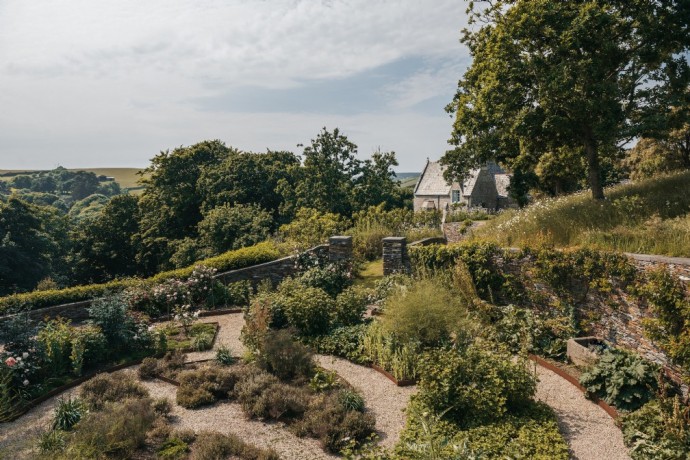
<point>650,216</point>
<point>126,177</point>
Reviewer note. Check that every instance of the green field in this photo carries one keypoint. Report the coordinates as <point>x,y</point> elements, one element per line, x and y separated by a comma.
<point>126,177</point>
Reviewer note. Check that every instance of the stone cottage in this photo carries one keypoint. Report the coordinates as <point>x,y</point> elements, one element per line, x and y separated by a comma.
<point>486,187</point>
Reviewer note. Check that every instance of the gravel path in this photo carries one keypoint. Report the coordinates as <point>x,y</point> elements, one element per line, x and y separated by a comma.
<point>386,400</point>
<point>589,431</point>
<point>227,417</point>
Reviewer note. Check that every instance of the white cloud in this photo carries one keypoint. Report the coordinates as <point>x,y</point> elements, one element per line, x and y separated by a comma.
<point>80,74</point>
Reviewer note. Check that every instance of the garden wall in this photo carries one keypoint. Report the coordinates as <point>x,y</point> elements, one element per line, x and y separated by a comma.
<point>275,271</point>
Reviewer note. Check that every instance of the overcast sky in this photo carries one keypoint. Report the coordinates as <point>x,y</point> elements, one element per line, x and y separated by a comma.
<point>111,83</point>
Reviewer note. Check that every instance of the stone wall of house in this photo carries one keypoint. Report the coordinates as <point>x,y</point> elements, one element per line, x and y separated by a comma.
<point>484,193</point>
<point>275,271</point>
<point>439,201</point>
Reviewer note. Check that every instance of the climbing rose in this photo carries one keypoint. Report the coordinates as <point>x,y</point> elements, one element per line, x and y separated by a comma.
<point>10,361</point>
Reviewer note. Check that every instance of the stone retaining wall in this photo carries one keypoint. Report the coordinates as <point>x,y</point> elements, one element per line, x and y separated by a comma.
<point>275,271</point>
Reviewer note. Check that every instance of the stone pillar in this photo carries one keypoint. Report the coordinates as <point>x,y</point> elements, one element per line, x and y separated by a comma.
<point>395,258</point>
<point>339,248</point>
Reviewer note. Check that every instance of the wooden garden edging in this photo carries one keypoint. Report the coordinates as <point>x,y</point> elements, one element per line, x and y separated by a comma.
<point>561,373</point>
<point>400,383</point>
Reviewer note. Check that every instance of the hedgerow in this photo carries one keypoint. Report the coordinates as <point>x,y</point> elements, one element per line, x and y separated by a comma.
<point>231,260</point>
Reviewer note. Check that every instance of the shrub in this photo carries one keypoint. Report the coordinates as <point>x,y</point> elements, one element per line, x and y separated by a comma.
<point>173,448</point>
<point>205,386</point>
<point>171,364</point>
<point>51,442</point>
<point>249,389</point>
<point>214,446</point>
<point>473,386</point>
<point>533,433</point>
<point>429,313</point>
<point>278,401</point>
<point>386,351</point>
<point>114,432</point>
<point>659,430</point>
<point>148,369</point>
<point>162,406</point>
<point>332,278</point>
<point>346,342</point>
<point>54,339</point>
<point>350,305</point>
<point>92,343</point>
<point>105,388</point>
<point>622,379</point>
<point>285,358</point>
<point>308,309</point>
<point>67,413</point>
<point>203,341</point>
<point>324,380</point>
<point>351,400</point>
<point>231,260</point>
<point>334,426</point>
<point>110,315</point>
<point>224,356</point>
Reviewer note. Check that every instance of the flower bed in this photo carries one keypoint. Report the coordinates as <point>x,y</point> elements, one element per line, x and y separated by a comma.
<point>200,337</point>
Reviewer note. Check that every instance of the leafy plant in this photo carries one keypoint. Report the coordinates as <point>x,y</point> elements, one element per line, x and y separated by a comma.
<point>282,356</point>
<point>658,430</point>
<point>622,379</point>
<point>67,413</point>
<point>351,400</point>
<point>224,355</point>
<point>393,355</point>
<point>323,380</point>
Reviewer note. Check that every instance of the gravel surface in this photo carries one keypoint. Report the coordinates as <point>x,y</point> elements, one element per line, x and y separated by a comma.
<point>589,431</point>
<point>385,399</point>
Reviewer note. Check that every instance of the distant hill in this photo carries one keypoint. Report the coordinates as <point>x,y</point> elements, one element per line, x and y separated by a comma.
<point>408,179</point>
<point>126,177</point>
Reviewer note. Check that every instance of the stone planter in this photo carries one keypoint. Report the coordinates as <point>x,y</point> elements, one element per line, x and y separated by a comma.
<point>582,351</point>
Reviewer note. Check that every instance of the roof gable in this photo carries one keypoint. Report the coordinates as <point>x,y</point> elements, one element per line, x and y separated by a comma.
<point>431,182</point>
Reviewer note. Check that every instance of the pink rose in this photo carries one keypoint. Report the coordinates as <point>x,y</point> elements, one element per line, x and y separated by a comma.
<point>10,361</point>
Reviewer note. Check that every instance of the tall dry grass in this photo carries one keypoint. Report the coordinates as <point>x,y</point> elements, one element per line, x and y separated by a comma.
<point>649,216</point>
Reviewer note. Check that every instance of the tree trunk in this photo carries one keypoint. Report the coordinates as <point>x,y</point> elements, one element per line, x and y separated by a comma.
<point>593,169</point>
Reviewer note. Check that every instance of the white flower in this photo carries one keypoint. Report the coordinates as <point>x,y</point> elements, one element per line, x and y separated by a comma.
<point>196,314</point>
<point>25,355</point>
<point>25,382</point>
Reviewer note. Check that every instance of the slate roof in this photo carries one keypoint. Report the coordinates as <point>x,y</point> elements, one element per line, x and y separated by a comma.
<point>431,182</point>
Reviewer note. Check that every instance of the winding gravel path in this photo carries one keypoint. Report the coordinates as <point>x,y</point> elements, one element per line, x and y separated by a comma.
<point>385,399</point>
<point>589,431</point>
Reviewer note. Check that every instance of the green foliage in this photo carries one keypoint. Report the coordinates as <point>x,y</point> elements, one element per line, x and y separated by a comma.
<point>670,325</point>
<point>173,448</point>
<point>280,355</point>
<point>530,98</point>
<point>659,430</point>
<point>231,260</point>
<point>67,413</point>
<point>332,278</point>
<point>54,339</point>
<point>310,227</point>
<point>323,380</point>
<point>233,227</point>
<point>351,400</point>
<point>473,386</point>
<point>651,157</point>
<point>532,433</point>
<point>116,431</point>
<point>387,351</point>
<point>272,401</point>
<point>350,306</point>
<point>224,355</point>
<point>633,219</point>
<point>308,309</point>
<point>429,312</point>
<point>373,224</point>
<point>346,342</point>
<point>622,379</point>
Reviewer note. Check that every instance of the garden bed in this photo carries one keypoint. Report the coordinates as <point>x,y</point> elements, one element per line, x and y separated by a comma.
<point>389,376</point>
<point>178,340</point>
<point>567,374</point>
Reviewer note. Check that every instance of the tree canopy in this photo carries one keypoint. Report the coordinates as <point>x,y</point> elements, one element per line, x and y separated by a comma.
<point>568,82</point>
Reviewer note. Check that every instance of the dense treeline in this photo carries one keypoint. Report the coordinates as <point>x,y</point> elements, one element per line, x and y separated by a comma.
<point>61,228</point>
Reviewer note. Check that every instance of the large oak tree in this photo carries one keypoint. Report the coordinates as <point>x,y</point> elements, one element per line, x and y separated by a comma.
<point>583,77</point>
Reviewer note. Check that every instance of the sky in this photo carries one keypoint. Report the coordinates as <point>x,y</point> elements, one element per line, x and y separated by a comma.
<point>92,83</point>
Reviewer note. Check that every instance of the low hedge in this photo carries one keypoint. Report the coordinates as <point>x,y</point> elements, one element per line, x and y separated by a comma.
<point>231,260</point>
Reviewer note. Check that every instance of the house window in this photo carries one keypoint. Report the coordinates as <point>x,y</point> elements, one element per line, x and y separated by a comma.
<point>455,196</point>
